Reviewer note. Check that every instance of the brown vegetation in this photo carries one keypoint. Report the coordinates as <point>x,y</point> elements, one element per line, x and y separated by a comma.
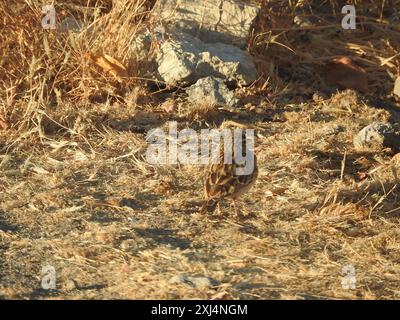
<point>77,193</point>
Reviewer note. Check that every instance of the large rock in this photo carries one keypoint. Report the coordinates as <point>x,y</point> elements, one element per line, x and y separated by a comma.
<point>184,59</point>
<point>378,135</point>
<point>212,90</point>
<point>226,21</point>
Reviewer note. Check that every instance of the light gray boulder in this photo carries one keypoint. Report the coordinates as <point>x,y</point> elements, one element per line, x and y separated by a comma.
<point>378,135</point>
<point>226,21</point>
<point>212,90</point>
<point>184,59</point>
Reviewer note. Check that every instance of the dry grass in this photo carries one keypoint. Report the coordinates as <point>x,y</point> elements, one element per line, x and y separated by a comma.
<point>77,193</point>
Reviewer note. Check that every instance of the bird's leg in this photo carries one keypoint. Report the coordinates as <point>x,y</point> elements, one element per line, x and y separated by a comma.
<point>237,211</point>
<point>218,208</point>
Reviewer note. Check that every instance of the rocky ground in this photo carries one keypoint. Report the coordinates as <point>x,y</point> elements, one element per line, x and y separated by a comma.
<point>78,198</point>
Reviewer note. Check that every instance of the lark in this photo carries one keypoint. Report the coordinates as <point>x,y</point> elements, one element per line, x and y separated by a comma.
<point>222,180</point>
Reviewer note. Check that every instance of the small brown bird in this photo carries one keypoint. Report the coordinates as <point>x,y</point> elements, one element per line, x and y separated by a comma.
<point>222,179</point>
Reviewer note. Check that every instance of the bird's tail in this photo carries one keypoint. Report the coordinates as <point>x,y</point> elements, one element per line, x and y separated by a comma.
<point>209,206</point>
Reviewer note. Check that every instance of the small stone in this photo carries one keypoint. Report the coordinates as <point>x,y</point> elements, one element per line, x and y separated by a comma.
<point>302,21</point>
<point>213,90</point>
<point>126,245</point>
<point>194,282</point>
<point>69,285</point>
<point>378,135</point>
